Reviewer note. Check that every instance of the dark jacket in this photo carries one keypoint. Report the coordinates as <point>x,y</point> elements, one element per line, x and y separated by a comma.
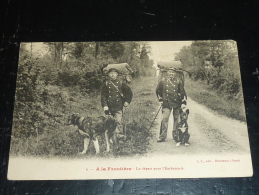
<point>113,98</point>
<point>171,91</point>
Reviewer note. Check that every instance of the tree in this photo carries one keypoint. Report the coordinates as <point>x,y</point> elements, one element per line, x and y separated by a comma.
<point>213,61</point>
<point>78,50</point>
<point>57,51</point>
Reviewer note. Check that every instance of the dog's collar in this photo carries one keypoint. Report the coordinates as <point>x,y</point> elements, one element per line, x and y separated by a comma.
<point>183,122</point>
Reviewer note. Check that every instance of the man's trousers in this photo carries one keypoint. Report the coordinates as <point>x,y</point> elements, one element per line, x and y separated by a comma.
<point>164,123</point>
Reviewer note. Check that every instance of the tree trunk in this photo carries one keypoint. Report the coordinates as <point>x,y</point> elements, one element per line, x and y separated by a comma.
<point>97,45</point>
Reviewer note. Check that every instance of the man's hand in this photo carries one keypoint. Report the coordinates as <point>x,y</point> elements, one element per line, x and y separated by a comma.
<point>160,101</point>
<point>126,104</point>
<point>106,110</point>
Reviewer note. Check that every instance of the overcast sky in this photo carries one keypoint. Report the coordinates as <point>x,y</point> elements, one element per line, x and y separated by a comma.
<point>165,50</point>
<point>38,48</point>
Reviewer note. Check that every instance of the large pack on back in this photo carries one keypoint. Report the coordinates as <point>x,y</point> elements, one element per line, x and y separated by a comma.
<point>170,64</point>
<point>123,68</point>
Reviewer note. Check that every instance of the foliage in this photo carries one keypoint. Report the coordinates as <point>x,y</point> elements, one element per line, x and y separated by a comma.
<point>55,138</point>
<point>137,142</point>
<point>215,62</point>
<point>66,79</point>
<point>225,105</point>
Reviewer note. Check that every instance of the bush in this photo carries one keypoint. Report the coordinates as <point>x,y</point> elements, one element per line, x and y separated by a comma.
<point>138,137</point>
<point>226,83</point>
<point>216,100</point>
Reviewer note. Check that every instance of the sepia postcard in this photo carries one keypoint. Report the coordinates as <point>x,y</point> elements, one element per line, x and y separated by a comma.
<point>129,110</point>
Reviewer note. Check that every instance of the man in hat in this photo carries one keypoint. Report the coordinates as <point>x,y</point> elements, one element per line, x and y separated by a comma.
<point>170,92</point>
<point>115,95</point>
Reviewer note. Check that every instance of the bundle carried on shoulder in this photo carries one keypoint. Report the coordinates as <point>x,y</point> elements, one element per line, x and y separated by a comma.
<point>165,65</point>
<point>123,69</point>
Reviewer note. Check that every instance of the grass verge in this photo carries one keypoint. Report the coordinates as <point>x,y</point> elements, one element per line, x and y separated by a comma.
<point>54,138</point>
<point>223,104</point>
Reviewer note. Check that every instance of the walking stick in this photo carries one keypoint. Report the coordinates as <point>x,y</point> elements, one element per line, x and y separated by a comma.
<point>155,117</point>
<point>124,122</point>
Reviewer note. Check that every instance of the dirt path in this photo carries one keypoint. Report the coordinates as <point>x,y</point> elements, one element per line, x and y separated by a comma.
<point>210,134</point>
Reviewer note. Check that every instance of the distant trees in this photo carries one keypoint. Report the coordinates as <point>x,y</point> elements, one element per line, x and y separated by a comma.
<point>215,62</point>
<point>80,63</point>
<point>99,53</point>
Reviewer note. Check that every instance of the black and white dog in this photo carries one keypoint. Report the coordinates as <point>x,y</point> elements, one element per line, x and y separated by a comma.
<point>92,127</point>
<point>182,135</point>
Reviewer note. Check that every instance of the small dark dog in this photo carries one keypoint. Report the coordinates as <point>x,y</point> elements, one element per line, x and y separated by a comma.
<point>182,135</point>
<point>92,127</point>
